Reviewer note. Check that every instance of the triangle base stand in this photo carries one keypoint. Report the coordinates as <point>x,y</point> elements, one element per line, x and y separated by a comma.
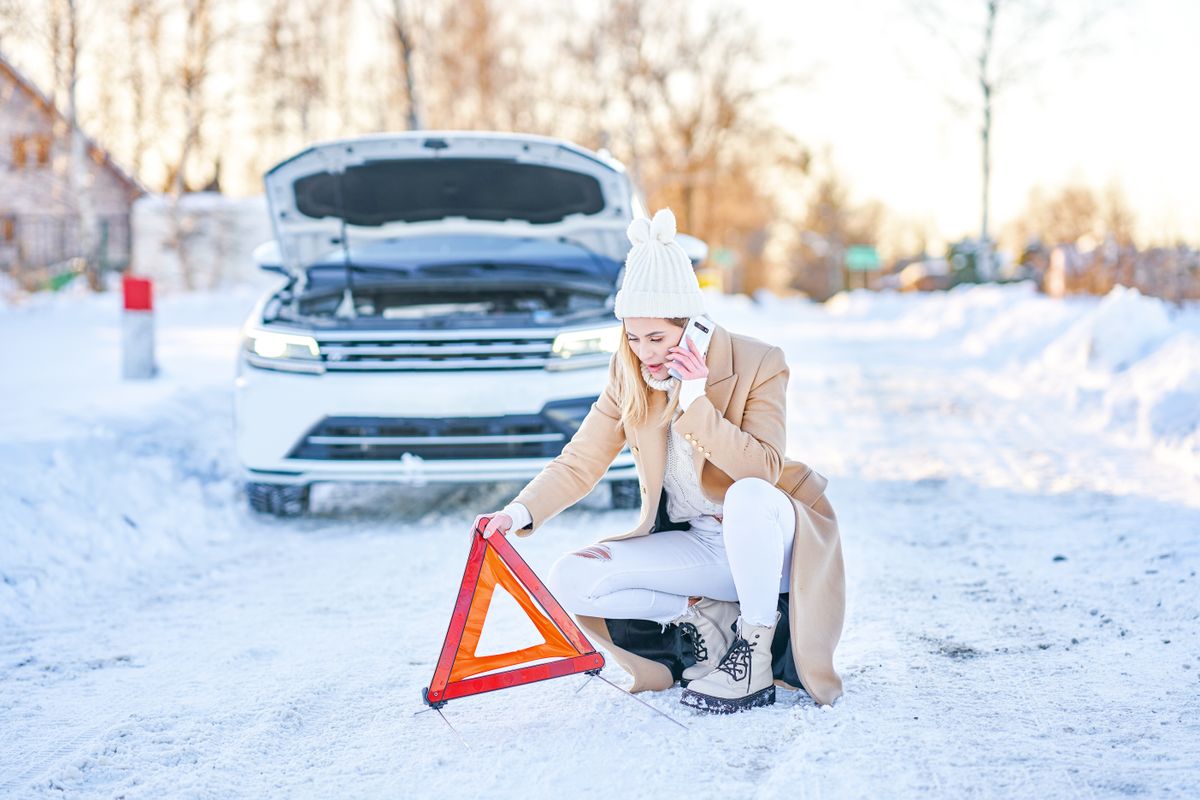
<point>589,664</point>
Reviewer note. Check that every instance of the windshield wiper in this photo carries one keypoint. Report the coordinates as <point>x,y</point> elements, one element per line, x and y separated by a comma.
<point>366,269</point>
<point>491,266</point>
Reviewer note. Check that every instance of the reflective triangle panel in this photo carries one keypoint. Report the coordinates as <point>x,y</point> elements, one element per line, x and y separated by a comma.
<point>459,672</point>
<point>466,663</point>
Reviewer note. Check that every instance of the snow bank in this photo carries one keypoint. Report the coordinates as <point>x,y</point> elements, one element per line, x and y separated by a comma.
<point>86,514</point>
<point>102,477</point>
<point>1131,366</point>
<point>1125,364</point>
<point>942,317</point>
<point>10,290</point>
<point>1123,328</point>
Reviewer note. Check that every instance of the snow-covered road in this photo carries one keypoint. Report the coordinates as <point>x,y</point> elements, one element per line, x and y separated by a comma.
<point>1021,525</point>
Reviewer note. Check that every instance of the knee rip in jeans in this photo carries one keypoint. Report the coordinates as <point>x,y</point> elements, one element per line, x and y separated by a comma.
<point>596,551</point>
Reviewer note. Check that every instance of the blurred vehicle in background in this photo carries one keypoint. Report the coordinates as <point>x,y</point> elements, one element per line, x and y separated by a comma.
<point>446,315</point>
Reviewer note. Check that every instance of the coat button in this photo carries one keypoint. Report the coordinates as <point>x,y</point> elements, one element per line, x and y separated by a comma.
<point>643,488</point>
<point>687,436</point>
<point>708,455</point>
<point>635,450</point>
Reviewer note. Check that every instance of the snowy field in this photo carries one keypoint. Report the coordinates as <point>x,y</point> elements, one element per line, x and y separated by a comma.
<point>1017,478</point>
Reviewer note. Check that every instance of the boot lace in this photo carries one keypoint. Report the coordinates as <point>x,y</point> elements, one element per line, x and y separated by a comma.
<point>736,663</point>
<point>699,648</point>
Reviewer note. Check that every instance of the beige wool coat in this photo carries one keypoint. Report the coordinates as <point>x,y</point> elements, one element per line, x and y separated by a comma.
<point>737,429</point>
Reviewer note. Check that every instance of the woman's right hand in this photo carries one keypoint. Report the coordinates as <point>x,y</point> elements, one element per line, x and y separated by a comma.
<point>499,522</point>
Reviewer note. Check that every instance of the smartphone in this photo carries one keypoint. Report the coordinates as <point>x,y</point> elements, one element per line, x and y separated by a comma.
<point>700,330</point>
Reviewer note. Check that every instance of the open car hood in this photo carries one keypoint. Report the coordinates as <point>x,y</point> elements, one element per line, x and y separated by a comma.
<point>389,185</point>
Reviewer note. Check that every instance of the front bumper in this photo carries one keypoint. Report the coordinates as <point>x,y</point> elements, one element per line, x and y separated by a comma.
<point>409,427</point>
<point>420,473</point>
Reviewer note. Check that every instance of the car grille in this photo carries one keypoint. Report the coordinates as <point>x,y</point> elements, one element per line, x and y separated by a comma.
<point>426,350</point>
<point>385,439</point>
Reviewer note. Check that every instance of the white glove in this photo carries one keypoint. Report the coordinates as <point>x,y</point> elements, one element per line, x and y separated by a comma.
<point>689,390</point>
<point>519,513</point>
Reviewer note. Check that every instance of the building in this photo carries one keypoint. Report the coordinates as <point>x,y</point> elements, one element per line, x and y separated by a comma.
<point>39,213</point>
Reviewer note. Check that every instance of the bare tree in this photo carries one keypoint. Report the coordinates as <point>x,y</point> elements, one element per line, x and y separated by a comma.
<point>1065,216</point>
<point>482,66</point>
<point>191,78</point>
<point>143,22</point>
<point>124,74</point>
<point>608,109</point>
<point>80,179</point>
<point>402,24</point>
<point>1116,217</point>
<point>681,94</point>
<point>830,224</point>
<point>687,108</point>
<point>1001,46</point>
<point>301,68</point>
<point>1075,212</point>
<point>204,30</point>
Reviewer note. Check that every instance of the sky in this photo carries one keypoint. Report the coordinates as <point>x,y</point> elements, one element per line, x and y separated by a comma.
<point>1126,113</point>
<point>874,99</point>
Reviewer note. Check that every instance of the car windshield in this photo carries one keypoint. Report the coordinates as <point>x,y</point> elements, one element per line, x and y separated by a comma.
<point>441,256</point>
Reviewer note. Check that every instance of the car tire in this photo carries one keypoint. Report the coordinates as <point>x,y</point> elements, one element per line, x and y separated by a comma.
<point>279,500</point>
<point>626,494</point>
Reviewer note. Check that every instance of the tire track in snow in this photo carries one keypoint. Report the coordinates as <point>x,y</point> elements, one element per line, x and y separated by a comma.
<point>44,751</point>
<point>966,451</point>
<point>975,452</point>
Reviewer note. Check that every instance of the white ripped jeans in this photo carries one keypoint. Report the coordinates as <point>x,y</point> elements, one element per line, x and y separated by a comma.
<point>745,557</point>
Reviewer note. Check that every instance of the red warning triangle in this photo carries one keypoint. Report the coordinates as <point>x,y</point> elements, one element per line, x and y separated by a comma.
<point>460,672</point>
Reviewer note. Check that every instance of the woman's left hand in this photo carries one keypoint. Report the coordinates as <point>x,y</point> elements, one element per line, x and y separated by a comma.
<point>688,362</point>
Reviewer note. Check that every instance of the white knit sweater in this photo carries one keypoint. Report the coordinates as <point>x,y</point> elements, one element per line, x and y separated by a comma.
<point>685,501</point>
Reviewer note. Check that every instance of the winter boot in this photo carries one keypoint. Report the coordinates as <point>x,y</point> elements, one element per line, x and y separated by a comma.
<point>708,625</point>
<point>743,679</point>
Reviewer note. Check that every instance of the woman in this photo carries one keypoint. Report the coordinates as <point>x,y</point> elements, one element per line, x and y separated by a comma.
<point>747,524</point>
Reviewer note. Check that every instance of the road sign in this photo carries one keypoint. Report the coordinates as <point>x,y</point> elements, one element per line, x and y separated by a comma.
<point>862,258</point>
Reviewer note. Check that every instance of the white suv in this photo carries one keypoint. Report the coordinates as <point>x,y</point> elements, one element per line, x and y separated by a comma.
<point>447,314</point>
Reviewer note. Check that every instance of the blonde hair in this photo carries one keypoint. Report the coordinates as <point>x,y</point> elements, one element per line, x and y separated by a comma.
<point>633,393</point>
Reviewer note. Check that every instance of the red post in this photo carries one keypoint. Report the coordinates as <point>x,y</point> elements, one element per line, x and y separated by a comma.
<point>137,328</point>
<point>138,294</point>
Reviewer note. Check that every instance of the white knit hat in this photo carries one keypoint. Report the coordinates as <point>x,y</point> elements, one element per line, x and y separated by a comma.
<point>659,279</point>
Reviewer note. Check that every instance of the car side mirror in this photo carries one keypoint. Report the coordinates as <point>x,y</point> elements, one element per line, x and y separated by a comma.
<point>696,249</point>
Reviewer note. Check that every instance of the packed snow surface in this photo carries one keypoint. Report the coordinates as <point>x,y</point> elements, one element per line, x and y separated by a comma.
<point>1017,480</point>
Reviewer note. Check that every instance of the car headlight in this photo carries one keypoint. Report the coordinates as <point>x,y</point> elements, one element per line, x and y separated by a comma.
<point>593,341</point>
<point>290,352</point>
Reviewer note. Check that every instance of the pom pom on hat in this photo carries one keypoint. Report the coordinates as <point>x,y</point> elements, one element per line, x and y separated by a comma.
<point>662,228</point>
<point>659,279</point>
<point>638,231</point>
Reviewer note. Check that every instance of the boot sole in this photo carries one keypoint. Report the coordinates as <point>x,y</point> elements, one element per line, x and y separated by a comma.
<point>722,705</point>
